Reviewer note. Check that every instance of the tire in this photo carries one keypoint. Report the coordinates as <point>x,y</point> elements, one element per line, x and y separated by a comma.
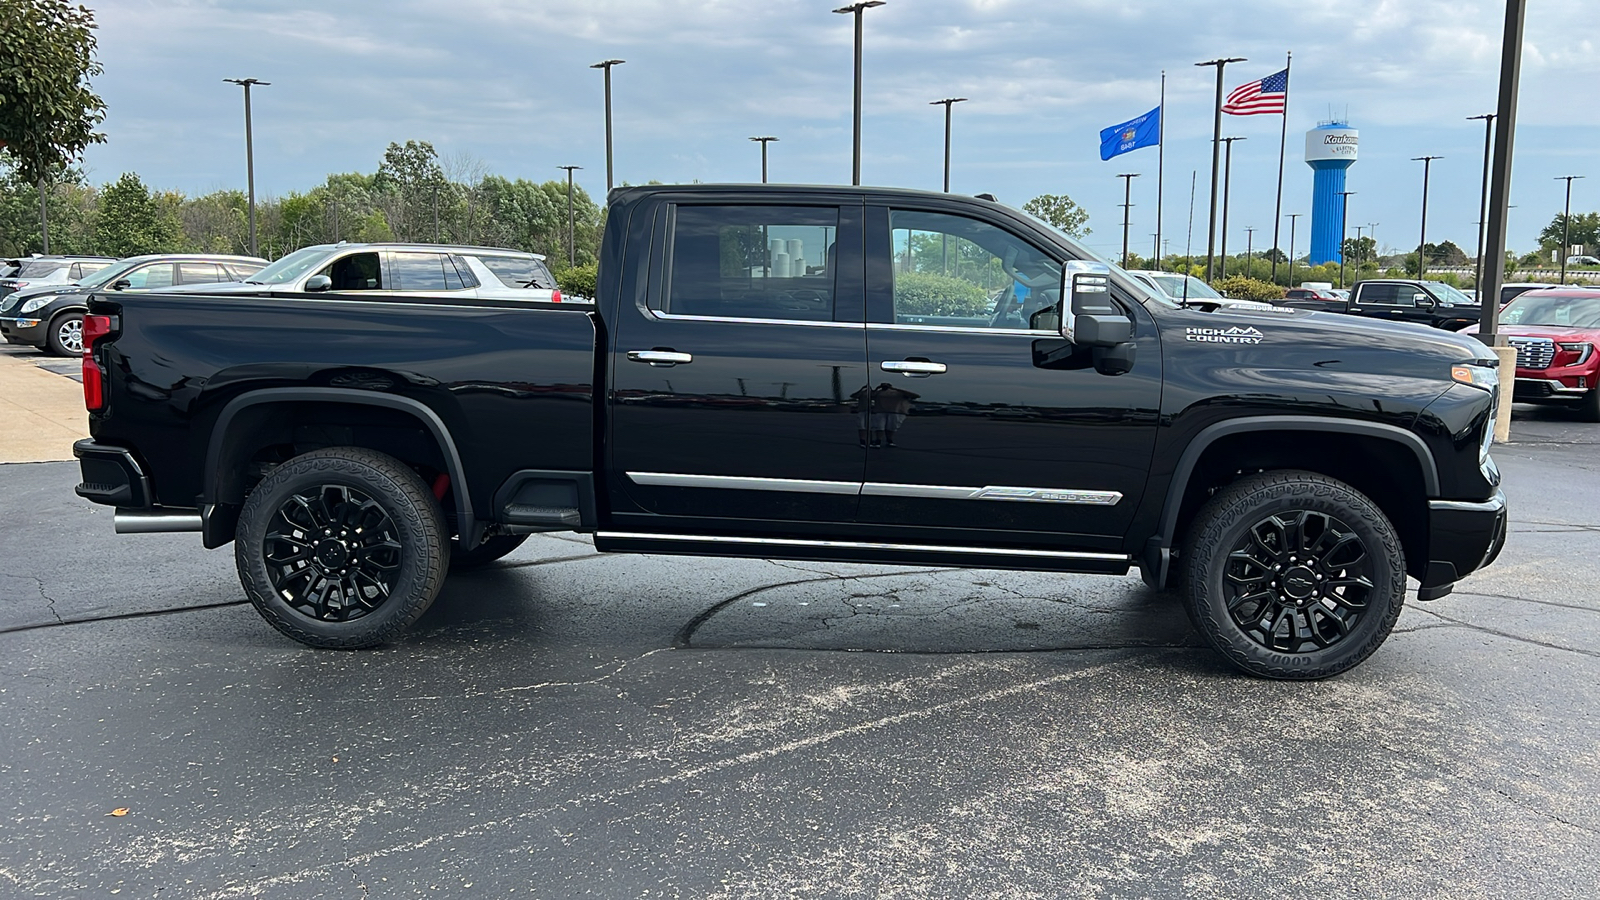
<point>65,337</point>
<point>1589,407</point>
<point>486,552</point>
<point>341,591</point>
<point>1333,602</point>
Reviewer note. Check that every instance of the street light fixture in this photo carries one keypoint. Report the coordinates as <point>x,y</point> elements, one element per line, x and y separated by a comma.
<point>1422,242</point>
<point>1127,206</point>
<point>1216,147</point>
<point>1344,216</point>
<point>763,141</point>
<point>1227,191</point>
<point>1566,224</point>
<point>855,157</point>
<point>948,102</point>
<point>249,151</point>
<point>572,222</point>
<point>1483,200</point>
<point>606,65</point>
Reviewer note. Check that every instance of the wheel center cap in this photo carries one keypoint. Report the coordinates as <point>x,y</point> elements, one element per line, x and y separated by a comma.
<point>332,554</point>
<point>1299,582</point>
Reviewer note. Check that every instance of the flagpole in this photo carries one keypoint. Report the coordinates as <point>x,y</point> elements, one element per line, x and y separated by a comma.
<point>1277,211</point>
<point>1161,153</point>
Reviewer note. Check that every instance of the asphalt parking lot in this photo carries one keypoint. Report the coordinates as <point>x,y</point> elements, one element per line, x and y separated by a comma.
<point>572,724</point>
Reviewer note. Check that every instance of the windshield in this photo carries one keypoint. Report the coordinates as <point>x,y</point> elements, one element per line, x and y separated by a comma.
<point>1568,312</point>
<point>1173,284</point>
<point>291,267</point>
<point>109,273</point>
<point>1448,294</point>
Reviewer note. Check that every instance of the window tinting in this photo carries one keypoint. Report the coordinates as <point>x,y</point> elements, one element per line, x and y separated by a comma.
<point>423,272</point>
<point>464,272</point>
<point>201,273</point>
<point>1386,295</point>
<point>955,271</point>
<point>515,271</point>
<point>753,262</point>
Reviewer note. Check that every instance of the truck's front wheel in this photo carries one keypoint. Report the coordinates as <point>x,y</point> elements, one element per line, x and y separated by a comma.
<point>1294,575</point>
<point>343,547</point>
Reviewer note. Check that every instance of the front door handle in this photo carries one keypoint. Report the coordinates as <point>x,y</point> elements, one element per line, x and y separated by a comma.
<point>663,358</point>
<point>913,368</point>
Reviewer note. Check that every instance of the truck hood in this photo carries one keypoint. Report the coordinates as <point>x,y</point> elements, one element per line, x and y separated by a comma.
<point>1297,338</point>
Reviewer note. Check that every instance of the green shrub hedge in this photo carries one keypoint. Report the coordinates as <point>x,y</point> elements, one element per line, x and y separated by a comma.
<point>578,281</point>
<point>926,294</point>
<point>1241,288</point>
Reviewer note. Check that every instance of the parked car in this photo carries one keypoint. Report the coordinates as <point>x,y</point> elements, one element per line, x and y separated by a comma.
<point>715,403</point>
<point>1187,289</point>
<point>51,317</point>
<point>1313,298</point>
<point>1583,261</point>
<point>1423,302</point>
<point>37,271</point>
<point>403,270</point>
<point>1556,331</point>
<point>1512,290</point>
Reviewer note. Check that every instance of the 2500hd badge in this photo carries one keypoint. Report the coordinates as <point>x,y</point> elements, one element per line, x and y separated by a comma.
<point>1234,335</point>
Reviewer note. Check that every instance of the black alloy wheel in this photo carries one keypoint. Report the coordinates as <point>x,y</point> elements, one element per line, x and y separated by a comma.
<point>66,335</point>
<point>1293,575</point>
<point>343,547</point>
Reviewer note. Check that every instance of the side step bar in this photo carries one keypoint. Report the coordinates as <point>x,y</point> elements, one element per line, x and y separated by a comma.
<point>862,551</point>
<point>154,521</point>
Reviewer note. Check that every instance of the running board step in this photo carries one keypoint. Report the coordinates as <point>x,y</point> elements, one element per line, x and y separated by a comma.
<point>543,516</point>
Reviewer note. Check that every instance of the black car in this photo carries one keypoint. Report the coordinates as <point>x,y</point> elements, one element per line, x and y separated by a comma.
<point>51,317</point>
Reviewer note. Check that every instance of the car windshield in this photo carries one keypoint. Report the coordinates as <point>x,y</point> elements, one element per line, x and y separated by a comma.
<point>109,273</point>
<point>1553,309</point>
<point>1173,285</point>
<point>291,267</point>
<point>1448,294</point>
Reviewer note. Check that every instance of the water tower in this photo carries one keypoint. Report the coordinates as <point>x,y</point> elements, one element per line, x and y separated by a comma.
<point>1330,150</point>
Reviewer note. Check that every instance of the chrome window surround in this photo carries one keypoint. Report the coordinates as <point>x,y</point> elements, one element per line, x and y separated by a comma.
<point>870,326</point>
<point>882,489</point>
<point>862,545</point>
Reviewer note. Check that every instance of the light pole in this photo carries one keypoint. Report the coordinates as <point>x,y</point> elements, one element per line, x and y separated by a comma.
<point>1344,216</point>
<point>855,156</point>
<point>1372,232</point>
<point>947,103</point>
<point>606,65</point>
<point>1422,242</point>
<point>1227,191</point>
<point>763,141</point>
<point>1566,224</point>
<point>1127,206</point>
<point>1483,200</point>
<point>249,151</point>
<point>1249,250</point>
<point>1216,147</point>
<point>572,223</point>
<point>1291,217</point>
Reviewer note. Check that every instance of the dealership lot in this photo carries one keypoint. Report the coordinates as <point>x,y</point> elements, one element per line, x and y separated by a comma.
<point>574,724</point>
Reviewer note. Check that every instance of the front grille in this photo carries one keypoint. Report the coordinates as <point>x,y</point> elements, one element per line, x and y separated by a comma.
<point>1534,353</point>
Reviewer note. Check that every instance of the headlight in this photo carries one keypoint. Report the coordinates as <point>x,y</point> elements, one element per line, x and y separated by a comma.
<point>33,303</point>
<point>1583,351</point>
<point>1486,377</point>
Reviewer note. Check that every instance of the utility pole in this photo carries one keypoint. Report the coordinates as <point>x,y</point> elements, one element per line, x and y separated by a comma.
<point>1344,216</point>
<point>1566,224</point>
<point>606,65</point>
<point>948,102</point>
<point>249,151</point>
<point>1127,205</point>
<point>855,156</point>
<point>1249,250</point>
<point>1227,191</point>
<point>763,141</point>
<point>1483,199</point>
<point>572,223</point>
<point>1216,147</point>
<point>1422,242</point>
<point>1292,217</point>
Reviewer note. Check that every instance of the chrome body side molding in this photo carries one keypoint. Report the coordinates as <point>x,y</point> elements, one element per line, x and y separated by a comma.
<point>804,544</point>
<point>882,489</point>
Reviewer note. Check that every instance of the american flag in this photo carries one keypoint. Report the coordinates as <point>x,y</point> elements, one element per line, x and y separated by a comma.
<point>1259,98</point>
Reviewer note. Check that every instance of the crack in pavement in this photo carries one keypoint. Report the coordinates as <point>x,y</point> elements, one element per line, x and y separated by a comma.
<point>47,598</point>
<point>1509,636</point>
<point>685,636</point>
<point>143,614</point>
<point>517,689</point>
<point>1589,609</point>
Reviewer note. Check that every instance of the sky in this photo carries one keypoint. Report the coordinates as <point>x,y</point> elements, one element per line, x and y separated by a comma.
<point>505,86</point>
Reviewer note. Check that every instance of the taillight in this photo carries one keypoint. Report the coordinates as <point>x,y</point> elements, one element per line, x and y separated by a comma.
<point>555,296</point>
<point>94,393</point>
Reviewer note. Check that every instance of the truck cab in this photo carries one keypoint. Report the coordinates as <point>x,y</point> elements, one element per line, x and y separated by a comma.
<point>1431,303</point>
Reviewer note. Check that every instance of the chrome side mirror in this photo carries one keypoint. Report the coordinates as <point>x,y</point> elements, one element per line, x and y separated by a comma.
<point>1089,317</point>
<point>317,283</point>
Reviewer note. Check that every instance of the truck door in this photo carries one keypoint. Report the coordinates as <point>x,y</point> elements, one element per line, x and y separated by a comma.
<point>738,373</point>
<point>982,416</point>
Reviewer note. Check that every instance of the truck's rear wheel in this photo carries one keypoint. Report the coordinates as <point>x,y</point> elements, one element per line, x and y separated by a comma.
<point>1294,575</point>
<point>487,551</point>
<point>343,547</point>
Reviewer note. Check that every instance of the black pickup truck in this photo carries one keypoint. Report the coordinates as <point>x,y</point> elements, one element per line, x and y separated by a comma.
<point>1432,303</point>
<point>813,373</point>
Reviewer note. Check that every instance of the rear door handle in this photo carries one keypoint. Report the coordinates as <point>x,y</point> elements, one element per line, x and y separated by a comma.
<point>660,357</point>
<point>913,368</point>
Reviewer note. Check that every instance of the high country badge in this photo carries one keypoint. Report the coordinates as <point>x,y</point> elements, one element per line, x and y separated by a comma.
<point>1234,335</point>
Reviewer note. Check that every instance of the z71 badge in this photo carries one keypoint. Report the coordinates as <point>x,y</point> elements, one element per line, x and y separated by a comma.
<point>1234,335</point>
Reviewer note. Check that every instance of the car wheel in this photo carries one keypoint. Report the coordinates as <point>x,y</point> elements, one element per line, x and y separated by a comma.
<point>489,550</point>
<point>1589,408</point>
<point>343,547</point>
<point>66,334</point>
<point>1294,575</point>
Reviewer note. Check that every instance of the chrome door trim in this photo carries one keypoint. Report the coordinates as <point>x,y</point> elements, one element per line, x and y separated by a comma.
<point>960,329</point>
<point>681,317</point>
<point>913,367</point>
<point>741,483</point>
<point>660,357</point>
<point>994,492</point>
<point>863,545</point>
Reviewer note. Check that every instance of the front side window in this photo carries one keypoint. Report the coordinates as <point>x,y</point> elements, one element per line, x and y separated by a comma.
<point>356,272</point>
<point>158,275</point>
<point>753,262</point>
<point>955,271</point>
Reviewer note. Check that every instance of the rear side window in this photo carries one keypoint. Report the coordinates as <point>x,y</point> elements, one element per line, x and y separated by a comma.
<point>753,262</point>
<point>201,273</point>
<point>38,268</point>
<point>425,272</point>
<point>514,271</point>
<point>1382,295</point>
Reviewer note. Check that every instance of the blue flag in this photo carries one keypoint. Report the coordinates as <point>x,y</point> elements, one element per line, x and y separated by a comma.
<point>1144,131</point>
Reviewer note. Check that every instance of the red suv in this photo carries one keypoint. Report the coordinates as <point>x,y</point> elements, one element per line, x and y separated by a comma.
<point>1556,331</point>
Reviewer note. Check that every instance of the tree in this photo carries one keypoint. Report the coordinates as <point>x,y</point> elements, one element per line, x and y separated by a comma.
<point>1273,254</point>
<point>1445,254</point>
<point>1360,250</point>
<point>412,180</point>
<point>1060,210</point>
<point>47,111</point>
<point>131,222</point>
<point>1585,230</point>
